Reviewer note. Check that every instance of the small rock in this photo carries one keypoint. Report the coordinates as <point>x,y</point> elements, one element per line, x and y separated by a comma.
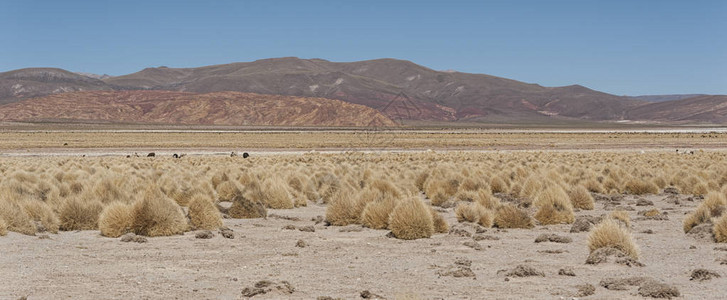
<point>369,295</point>
<point>654,289</point>
<point>301,244</point>
<point>130,237</point>
<point>522,271</point>
<point>289,227</point>
<point>318,219</point>
<point>308,228</point>
<point>479,237</point>
<point>703,274</point>
<point>463,262</point>
<point>553,238</point>
<point>644,202</point>
<point>473,245</point>
<point>204,234</point>
<point>227,233</point>
<point>585,290</point>
<point>568,271</point>
<point>44,237</point>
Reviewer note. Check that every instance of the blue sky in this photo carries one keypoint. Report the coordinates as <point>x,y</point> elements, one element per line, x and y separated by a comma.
<point>628,47</point>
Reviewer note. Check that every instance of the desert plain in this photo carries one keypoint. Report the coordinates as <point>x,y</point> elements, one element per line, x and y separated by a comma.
<point>377,215</point>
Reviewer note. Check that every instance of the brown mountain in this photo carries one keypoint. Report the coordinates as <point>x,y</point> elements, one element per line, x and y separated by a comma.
<point>35,82</point>
<point>400,89</point>
<point>701,109</point>
<point>167,107</point>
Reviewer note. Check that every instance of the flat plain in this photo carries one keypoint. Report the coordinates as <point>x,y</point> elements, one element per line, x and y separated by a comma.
<point>482,215</point>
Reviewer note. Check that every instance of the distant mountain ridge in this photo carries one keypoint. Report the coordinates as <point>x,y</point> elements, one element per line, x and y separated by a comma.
<point>399,89</point>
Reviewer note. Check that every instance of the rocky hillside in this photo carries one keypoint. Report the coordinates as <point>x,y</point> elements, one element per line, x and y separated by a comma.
<point>166,107</point>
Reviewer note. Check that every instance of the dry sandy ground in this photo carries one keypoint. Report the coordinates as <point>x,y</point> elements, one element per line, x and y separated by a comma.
<point>84,265</point>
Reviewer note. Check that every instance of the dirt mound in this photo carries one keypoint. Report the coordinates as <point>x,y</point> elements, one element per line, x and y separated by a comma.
<point>604,255</point>
<point>648,287</point>
<point>654,289</point>
<point>703,274</point>
<point>584,223</point>
<point>702,232</point>
<point>131,237</point>
<point>551,237</point>
<point>204,234</point>
<point>264,287</point>
<point>522,271</point>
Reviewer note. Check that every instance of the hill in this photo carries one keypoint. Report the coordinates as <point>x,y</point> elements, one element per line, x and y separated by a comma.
<point>661,98</point>
<point>701,109</point>
<point>167,107</point>
<point>399,89</point>
<point>36,82</point>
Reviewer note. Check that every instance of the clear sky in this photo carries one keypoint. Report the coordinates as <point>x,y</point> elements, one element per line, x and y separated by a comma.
<point>628,47</point>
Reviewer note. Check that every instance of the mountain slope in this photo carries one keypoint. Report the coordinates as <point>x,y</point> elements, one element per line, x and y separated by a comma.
<point>35,82</point>
<point>661,98</point>
<point>166,107</point>
<point>701,109</point>
<point>399,89</point>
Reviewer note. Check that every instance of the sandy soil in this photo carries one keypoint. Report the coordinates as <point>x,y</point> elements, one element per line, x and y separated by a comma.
<point>85,265</point>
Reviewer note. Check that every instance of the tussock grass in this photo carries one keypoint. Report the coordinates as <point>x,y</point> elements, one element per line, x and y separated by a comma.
<point>157,215</point>
<point>509,216</point>
<point>115,220</point>
<point>699,216</point>
<point>79,213</point>
<point>15,218</point>
<point>474,213</point>
<point>580,198</point>
<point>440,225</point>
<point>609,233</point>
<point>246,208</point>
<point>410,220</point>
<point>276,195</point>
<point>344,209</point>
<point>720,229</point>
<point>42,213</point>
<point>641,187</point>
<point>622,216</point>
<point>554,206</point>
<point>203,214</point>
<point>3,227</point>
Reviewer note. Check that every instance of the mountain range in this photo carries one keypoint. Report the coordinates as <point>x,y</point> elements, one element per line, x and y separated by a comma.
<point>398,89</point>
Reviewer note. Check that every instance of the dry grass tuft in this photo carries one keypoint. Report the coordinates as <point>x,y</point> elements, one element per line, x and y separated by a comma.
<point>157,215</point>
<point>554,206</point>
<point>376,214</point>
<point>720,229</point>
<point>246,208</point>
<point>276,195</point>
<point>474,213</point>
<point>640,187</point>
<point>509,216</point>
<point>3,227</point>
<point>440,225</point>
<point>581,198</point>
<point>203,214</point>
<point>622,216</point>
<point>42,213</point>
<point>411,220</point>
<point>609,233</point>
<point>115,220</point>
<point>699,216</point>
<point>80,214</point>
<point>344,209</point>
<point>715,202</point>
<point>15,218</point>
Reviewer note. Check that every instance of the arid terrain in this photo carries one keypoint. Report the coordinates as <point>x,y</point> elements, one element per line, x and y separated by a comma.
<point>418,225</point>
